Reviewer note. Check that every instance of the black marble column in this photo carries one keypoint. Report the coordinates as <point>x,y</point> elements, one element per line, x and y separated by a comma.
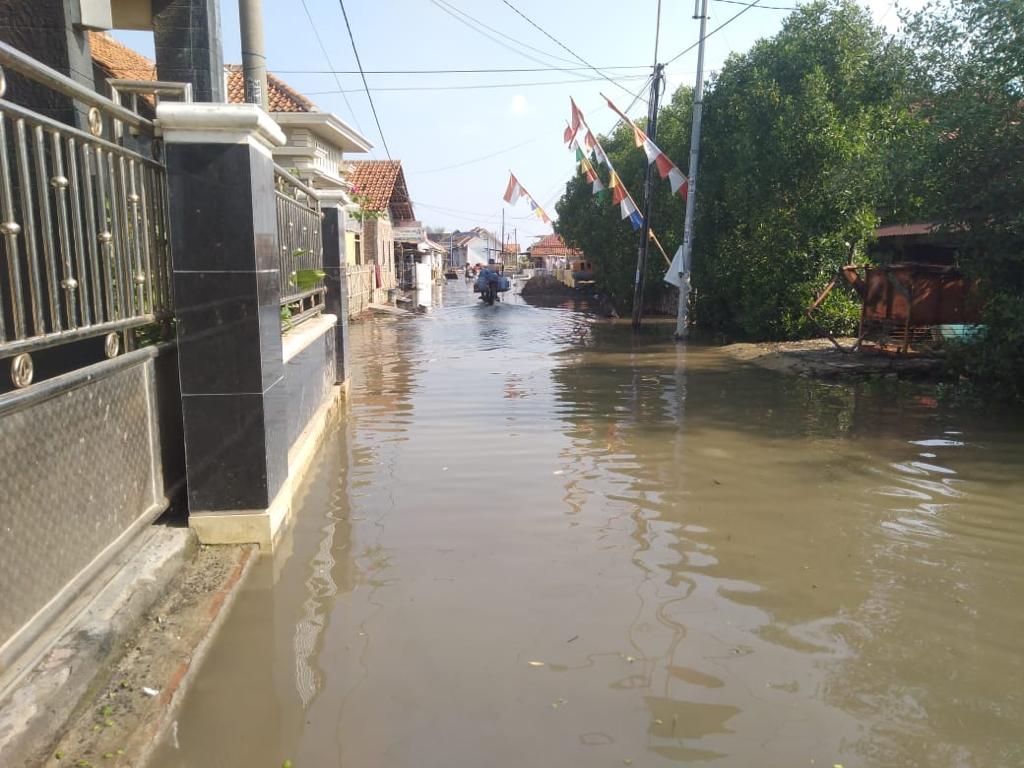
<point>45,30</point>
<point>187,39</point>
<point>227,303</point>
<point>337,284</point>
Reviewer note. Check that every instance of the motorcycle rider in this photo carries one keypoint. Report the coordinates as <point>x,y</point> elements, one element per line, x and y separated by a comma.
<point>490,279</point>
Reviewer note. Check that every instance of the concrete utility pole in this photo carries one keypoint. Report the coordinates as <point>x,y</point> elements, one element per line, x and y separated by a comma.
<point>645,239</point>
<point>691,190</point>
<point>254,61</point>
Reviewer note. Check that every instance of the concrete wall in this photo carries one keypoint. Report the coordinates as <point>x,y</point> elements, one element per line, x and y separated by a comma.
<point>309,372</point>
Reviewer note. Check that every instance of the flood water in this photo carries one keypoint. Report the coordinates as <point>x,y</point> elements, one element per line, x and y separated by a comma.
<point>536,540</point>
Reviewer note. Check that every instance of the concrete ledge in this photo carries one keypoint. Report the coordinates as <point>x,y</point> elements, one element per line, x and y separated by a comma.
<point>38,704</point>
<point>264,526</point>
<point>244,526</point>
<point>207,123</point>
<point>301,336</point>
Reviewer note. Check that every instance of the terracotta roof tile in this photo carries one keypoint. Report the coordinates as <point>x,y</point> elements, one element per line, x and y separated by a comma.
<point>281,97</point>
<point>383,183</point>
<point>120,61</point>
<point>553,245</point>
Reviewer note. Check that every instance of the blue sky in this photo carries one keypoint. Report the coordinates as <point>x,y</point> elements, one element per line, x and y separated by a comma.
<point>521,122</point>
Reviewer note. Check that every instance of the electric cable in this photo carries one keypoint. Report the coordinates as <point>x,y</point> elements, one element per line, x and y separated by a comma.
<point>366,85</point>
<point>562,45</point>
<point>724,24</point>
<point>327,57</point>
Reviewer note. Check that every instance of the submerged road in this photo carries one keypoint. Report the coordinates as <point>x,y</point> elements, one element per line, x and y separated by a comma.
<point>536,540</point>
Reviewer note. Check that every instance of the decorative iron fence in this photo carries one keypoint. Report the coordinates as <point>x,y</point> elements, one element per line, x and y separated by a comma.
<point>301,254</point>
<point>83,223</point>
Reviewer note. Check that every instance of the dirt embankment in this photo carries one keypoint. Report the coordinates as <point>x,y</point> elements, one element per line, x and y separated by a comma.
<point>820,359</point>
<point>546,285</point>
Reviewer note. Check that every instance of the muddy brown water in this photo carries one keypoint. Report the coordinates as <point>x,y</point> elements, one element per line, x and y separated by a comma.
<point>539,541</point>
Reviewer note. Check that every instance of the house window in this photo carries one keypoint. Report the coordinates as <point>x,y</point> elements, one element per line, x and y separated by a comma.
<point>359,248</point>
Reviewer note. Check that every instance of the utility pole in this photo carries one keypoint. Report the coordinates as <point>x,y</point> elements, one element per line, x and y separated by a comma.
<point>641,259</point>
<point>691,184</point>
<point>254,62</point>
<point>502,235</point>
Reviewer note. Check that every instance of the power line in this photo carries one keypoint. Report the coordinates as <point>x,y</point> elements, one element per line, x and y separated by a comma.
<point>765,7</point>
<point>727,22</point>
<point>479,86</point>
<point>517,43</point>
<point>562,45</point>
<point>493,70</point>
<point>327,57</point>
<point>366,85</point>
<point>469,22</point>
<point>484,157</point>
<point>536,138</point>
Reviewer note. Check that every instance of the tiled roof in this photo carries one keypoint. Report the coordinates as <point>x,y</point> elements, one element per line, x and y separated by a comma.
<point>382,182</point>
<point>553,245</point>
<point>120,61</point>
<point>281,97</point>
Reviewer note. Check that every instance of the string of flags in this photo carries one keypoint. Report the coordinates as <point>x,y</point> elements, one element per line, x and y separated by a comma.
<point>515,190</point>
<point>666,168</point>
<point>619,194</point>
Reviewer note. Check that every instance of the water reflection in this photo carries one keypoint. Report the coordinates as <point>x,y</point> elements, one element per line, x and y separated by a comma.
<point>540,540</point>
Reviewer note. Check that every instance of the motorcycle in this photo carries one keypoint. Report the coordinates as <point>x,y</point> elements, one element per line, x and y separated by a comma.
<point>489,287</point>
<point>489,294</point>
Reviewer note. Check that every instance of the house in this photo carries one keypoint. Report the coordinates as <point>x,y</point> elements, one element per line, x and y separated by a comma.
<point>473,247</point>
<point>413,247</point>
<point>510,254</point>
<point>551,252</point>
<point>379,188</point>
<point>315,141</point>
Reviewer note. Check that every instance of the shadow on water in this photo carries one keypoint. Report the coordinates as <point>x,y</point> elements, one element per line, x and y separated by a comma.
<point>538,539</point>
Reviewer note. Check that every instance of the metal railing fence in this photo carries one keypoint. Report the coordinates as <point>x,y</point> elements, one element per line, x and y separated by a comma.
<point>300,241</point>
<point>84,248</point>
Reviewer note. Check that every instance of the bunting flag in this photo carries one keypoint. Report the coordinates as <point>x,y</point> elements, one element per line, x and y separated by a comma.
<point>600,191</point>
<point>575,122</point>
<point>515,190</point>
<point>629,211</point>
<point>666,168</point>
<point>617,190</point>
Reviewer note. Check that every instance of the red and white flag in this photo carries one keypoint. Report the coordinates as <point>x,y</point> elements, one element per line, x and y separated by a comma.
<point>513,191</point>
<point>666,168</point>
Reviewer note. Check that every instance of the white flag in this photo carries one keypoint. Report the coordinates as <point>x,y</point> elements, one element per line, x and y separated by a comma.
<point>677,274</point>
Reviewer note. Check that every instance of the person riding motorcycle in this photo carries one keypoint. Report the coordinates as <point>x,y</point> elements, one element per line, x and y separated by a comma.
<point>490,282</point>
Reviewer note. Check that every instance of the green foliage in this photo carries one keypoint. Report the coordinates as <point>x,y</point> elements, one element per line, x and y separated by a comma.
<point>793,169</point>
<point>595,225</point>
<point>970,92</point>
<point>306,279</point>
<point>364,212</point>
<point>797,149</point>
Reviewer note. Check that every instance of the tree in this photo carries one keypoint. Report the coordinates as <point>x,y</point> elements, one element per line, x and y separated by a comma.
<point>970,92</point>
<point>793,170</point>
<point>595,225</point>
